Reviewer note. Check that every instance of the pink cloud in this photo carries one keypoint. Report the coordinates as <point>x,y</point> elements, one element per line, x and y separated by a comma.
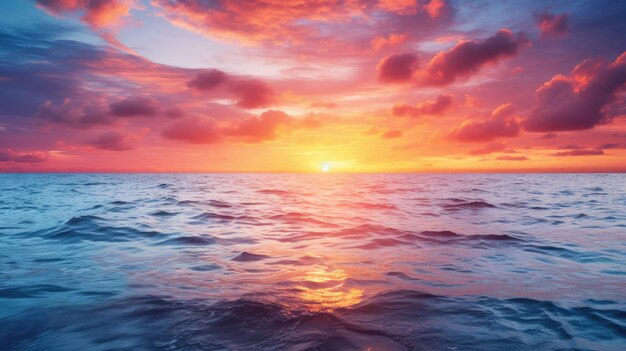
<point>208,79</point>
<point>403,7</point>
<point>552,25</point>
<point>435,8</point>
<point>8,155</point>
<point>253,93</point>
<point>397,68</point>
<point>116,141</point>
<point>468,57</point>
<point>501,124</point>
<point>393,40</point>
<point>249,92</point>
<point>431,107</point>
<point>195,130</point>
<point>96,13</point>
<point>577,101</point>
<point>262,128</point>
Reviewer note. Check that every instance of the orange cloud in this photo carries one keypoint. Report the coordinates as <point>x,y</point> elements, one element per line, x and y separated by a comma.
<point>96,13</point>
<point>501,124</point>
<point>431,107</point>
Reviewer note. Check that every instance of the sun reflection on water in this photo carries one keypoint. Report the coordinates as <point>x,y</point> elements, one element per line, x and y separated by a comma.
<point>325,290</point>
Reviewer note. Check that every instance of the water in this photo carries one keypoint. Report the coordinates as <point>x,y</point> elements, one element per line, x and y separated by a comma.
<point>312,262</point>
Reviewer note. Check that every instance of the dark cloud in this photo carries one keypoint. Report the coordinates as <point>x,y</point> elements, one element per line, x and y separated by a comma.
<point>549,136</point>
<point>195,130</point>
<point>580,152</point>
<point>249,92</point>
<point>36,65</point>
<point>208,79</point>
<point>552,25</point>
<point>74,115</point>
<point>511,158</point>
<point>501,124</point>
<point>115,141</point>
<point>397,68</point>
<point>468,57</point>
<point>8,155</point>
<point>608,146</point>
<point>135,107</point>
<point>577,101</point>
<point>174,112</point>
<point>431,107</point>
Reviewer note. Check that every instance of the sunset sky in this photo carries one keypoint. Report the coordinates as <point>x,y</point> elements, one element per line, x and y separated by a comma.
<point>299,86</point>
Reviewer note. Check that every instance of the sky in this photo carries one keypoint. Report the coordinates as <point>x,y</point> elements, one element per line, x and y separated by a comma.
<point>312,86</point>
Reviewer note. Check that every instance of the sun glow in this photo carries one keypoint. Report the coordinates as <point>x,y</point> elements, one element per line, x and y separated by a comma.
<point>325,167</point>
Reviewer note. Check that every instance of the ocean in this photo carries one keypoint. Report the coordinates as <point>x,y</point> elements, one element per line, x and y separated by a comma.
<point>312,262</point>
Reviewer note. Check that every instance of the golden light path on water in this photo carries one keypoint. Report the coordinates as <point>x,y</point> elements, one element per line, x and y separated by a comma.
<point>328,291</point>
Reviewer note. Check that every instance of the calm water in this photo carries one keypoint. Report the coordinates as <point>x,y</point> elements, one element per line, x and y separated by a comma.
<point>313,262</point>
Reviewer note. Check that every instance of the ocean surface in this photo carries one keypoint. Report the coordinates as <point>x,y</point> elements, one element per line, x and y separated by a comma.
<point>312,262</point>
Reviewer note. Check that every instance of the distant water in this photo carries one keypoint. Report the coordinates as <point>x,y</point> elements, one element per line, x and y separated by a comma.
<point>312,262</point>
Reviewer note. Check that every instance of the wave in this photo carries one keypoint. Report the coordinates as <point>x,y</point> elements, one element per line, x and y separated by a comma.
<point>189,241</point>
<point>392,320</point>
<point>249,257</point>
<point>469,205</point>
<point>93,228</point>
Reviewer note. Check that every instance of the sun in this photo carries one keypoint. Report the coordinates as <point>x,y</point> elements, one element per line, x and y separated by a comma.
<point>325,167</point>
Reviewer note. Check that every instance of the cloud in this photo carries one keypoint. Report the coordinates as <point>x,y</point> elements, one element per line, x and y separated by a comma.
<point>266,127</point>
<point>431,107</point>
<point>373,130</point>
<point>380,42</point>
<point>577,101</point>
<point>73,115</point>
<point>550,135</point>
<point>116,141</point>
<point>88,114</point>
<point>580,152</point>
<point>489,148</point>
<point>607,146</point>
<point>403,7</point>
<point>436,8</point>
<point>208,79</point>
<point>8,155</point>
<point>195,130</point>
<point>392,134</point>
<point>323,104</point>
<point>249,92</point>
<point>253,93</point>
<point>501,124</point>
<point>258,129</point>
<point>135,107</point>
<point>397,68</point>
<point>511,158</point>
<point>336,26</point>
<point>552,25</point>
<point>96,13</point>
<point>468,57</point>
